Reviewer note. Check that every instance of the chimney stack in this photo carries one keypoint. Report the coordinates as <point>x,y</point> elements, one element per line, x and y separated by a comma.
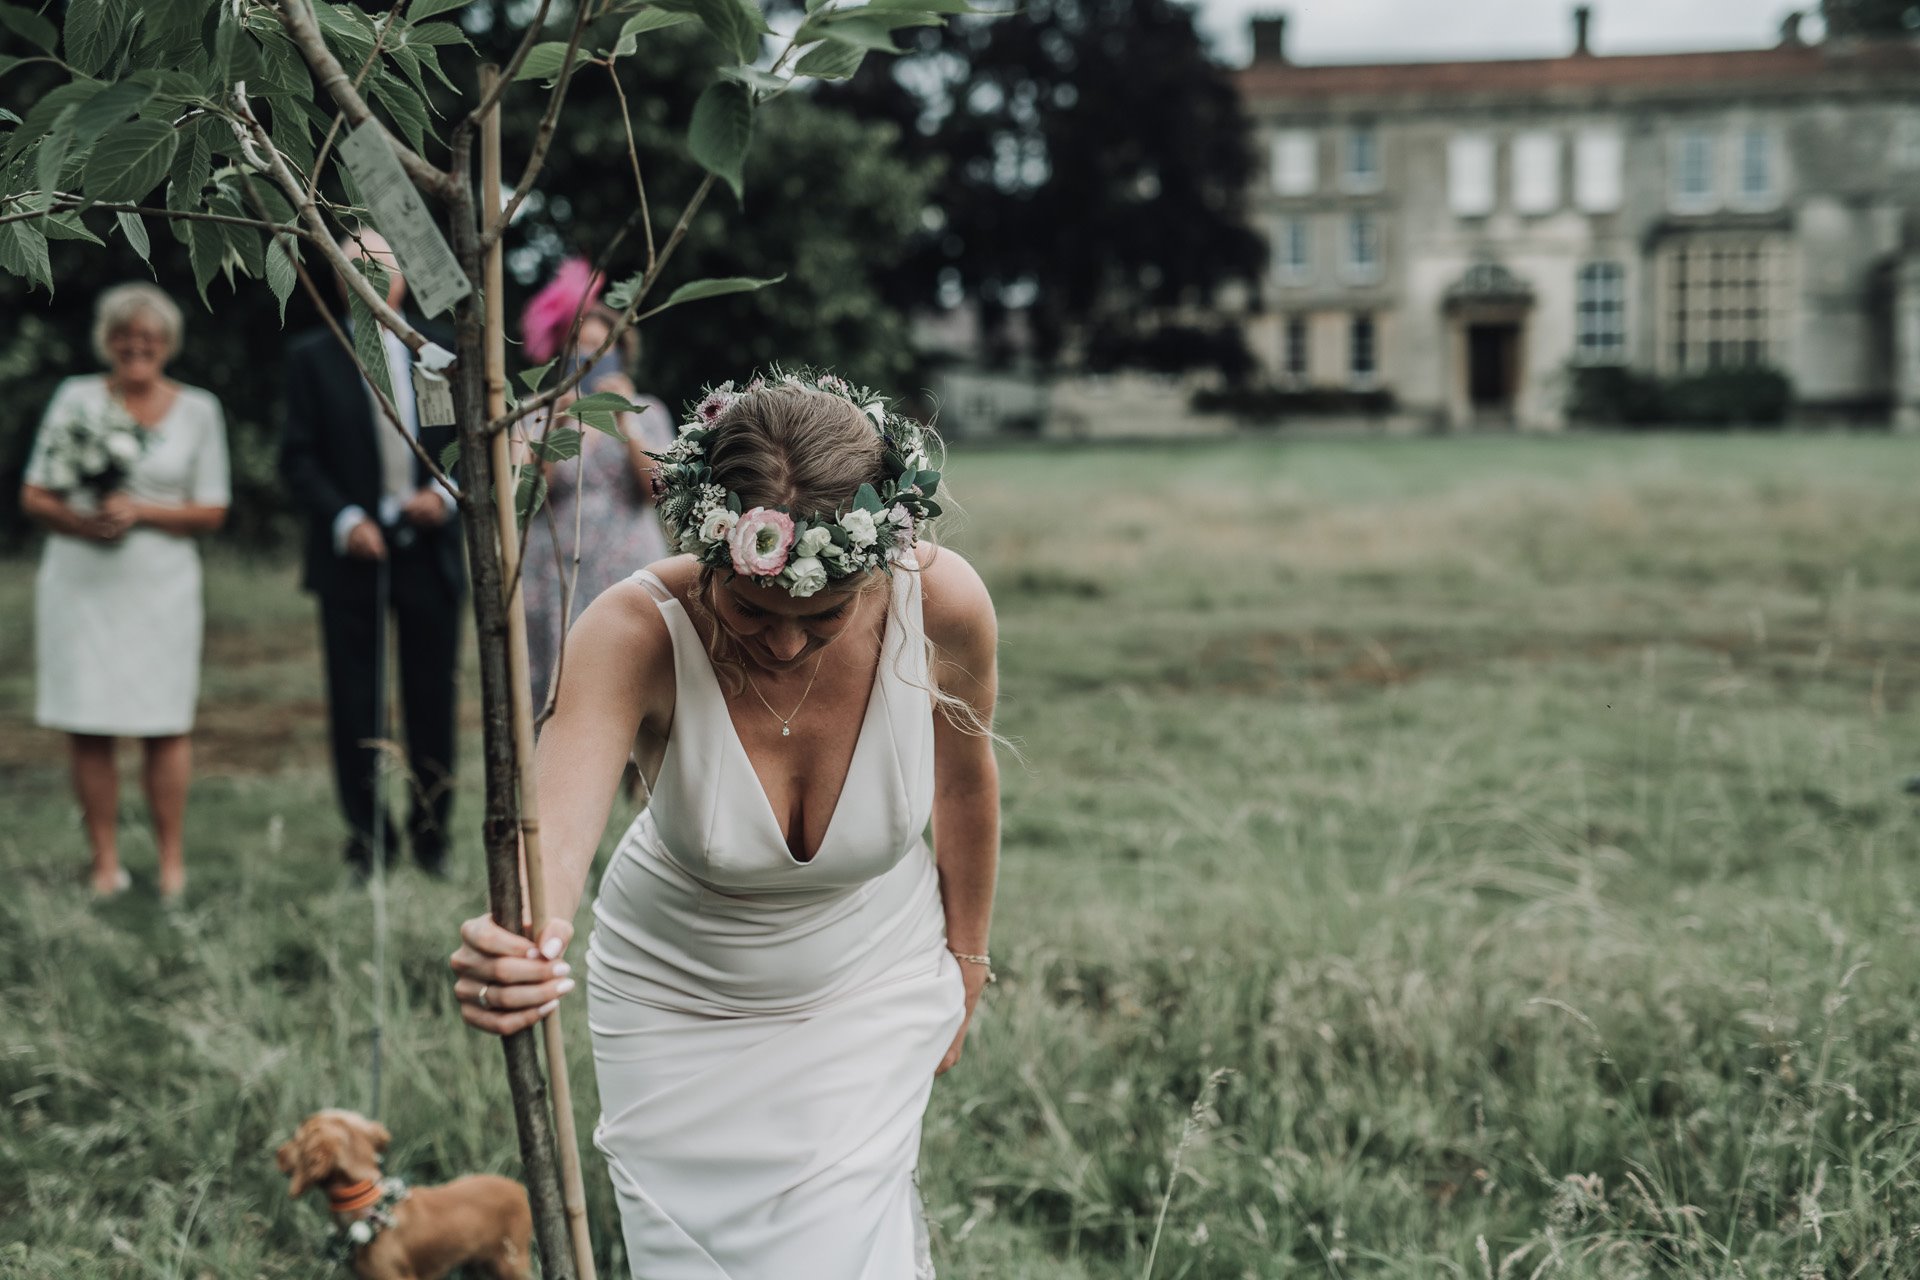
<point>1270,38</point>
<point>1790,37</point>
<point>1582,20</point>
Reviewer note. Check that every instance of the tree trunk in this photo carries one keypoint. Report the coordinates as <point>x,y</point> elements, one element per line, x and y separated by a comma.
<point>500,827</point>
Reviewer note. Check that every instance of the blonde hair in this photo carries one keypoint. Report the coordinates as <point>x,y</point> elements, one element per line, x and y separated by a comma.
<point>119,306</point>
<point>807,451</point>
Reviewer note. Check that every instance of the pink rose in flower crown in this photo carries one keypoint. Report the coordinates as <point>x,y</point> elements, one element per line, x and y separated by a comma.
<point>761,542</point>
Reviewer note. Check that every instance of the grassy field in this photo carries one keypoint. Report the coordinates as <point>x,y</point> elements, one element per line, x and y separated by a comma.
<point>1431,858</point>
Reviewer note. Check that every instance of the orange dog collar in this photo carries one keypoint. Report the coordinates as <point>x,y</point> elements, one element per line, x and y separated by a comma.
<point>361,1195</point>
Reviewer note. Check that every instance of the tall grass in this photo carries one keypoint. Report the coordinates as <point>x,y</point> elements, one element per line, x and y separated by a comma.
<point>1502,838</point>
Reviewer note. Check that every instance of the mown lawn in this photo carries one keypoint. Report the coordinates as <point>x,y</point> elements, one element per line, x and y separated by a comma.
<point>1494,846</point>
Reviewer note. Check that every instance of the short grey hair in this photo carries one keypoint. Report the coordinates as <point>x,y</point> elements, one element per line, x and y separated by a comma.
<point>120,305</point>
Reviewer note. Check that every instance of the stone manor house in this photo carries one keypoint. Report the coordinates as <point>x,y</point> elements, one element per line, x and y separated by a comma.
<point>1460,234</point>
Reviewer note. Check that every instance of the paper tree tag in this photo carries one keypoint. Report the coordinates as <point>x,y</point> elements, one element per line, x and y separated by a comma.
<point>432,397</point>
<point>424,256</point>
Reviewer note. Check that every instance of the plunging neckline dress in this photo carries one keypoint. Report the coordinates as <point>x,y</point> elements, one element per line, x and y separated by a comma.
<point>765,1029</point>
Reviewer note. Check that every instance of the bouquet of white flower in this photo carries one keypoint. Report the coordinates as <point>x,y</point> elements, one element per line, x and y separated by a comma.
<point>93,451</point>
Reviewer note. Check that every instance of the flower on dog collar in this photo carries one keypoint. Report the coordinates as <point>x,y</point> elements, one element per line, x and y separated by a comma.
<point>799,552</point>
<point>351,1237</point>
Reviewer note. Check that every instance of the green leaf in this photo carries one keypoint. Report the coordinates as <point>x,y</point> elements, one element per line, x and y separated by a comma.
<point>600,411</point>
<point>8,116</point>
<point>830,60</point>
<point>644,21</point>
<point>407,109</point>
<point>861,33</point>
<point>111,106</point>
<point>52,156</point>
<point>90,30</point>
<point>867,499</point>
<point>721,130</point>
<point>436,33</point>
<point>207,251</point>
<point>529,494</point>
<point>29,25</point>
<point>888,16</point>
<point>545,60</point>
<point>557,445</point>
<point>754,78</point>
<point>450,457</point>
<point>943,7</point>
<point>620,296</point>
<point>532,378</point>
<point>129,161</point>
<point>136,233</point>
<point>695,290</point>
<point>367,344</point>
<point>23,251</point>
<point>67,226</point>
<point>736,24</point>
<point>192,166</point>
<point>281,276</point>
<point>282,68</point>
<point>41,115</point>
<point>424,9</point>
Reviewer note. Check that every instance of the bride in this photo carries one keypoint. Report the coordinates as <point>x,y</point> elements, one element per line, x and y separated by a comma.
<point>779,964</point>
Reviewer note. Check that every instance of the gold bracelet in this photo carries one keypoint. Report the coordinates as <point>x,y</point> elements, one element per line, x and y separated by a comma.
<point>984,962</point>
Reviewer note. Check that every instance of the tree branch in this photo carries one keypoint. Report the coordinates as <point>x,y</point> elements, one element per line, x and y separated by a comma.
<point>298,19</point>
<point>633,154</point>
<point>546,398</point>
<point>544,137</point>
<point>387,408</point>
<point>333,130</point>
<point>527,41</point>
<point>290,185</point>
<point>72,202</point>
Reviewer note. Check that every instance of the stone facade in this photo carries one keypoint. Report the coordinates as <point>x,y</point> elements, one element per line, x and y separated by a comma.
<point>1464,233</point>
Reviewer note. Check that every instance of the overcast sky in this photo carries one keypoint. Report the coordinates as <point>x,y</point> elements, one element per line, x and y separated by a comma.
<point>1415,30</point>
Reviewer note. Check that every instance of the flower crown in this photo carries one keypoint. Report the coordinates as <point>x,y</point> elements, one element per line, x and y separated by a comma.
<point>801,553</point>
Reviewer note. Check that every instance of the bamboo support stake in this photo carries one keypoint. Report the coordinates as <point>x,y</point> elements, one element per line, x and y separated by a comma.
<point>573,1186</point>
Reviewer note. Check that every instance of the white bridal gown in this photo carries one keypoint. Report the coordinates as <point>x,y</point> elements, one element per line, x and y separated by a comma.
<point>766,1030</point>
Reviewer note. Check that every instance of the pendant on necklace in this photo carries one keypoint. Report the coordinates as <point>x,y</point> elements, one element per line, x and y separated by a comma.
<point>786,731</point>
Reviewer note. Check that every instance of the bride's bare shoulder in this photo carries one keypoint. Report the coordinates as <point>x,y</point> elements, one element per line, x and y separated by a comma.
<point>957,607</point>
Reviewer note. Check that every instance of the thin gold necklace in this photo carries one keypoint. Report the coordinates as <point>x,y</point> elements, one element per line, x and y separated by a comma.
<point>786,722</point>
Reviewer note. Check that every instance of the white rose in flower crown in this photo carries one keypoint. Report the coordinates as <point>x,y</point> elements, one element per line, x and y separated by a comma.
<point>813,541</point>
<point>876,411</point>
<point>717,523</point>
<point>805,577</point>
<point>859,527</point>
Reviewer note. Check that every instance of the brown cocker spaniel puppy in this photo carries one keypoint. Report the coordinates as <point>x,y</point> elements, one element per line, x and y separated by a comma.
<point>480,1221</point>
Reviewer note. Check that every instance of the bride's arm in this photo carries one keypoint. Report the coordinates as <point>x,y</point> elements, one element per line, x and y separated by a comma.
<point>966,796</point>
<point>607,691</point>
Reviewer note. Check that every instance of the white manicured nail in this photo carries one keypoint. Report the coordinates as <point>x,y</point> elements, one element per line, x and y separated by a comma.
<point>565,985</point>
<point>562,969</point>
<point>552,948</point>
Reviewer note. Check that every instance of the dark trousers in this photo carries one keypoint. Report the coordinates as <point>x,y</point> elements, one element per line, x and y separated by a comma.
<point>425,612</point>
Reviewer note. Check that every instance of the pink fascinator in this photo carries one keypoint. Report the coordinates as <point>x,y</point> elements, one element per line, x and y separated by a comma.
<point>549,314</point>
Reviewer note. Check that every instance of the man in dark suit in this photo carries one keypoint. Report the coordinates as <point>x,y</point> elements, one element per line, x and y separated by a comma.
<point>369,504</point>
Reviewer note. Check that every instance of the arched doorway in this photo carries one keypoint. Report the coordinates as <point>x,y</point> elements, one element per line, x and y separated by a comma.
<point>1486,326</point>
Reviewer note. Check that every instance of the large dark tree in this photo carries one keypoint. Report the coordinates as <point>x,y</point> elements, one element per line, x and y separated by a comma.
<point>1871,17</point>
<point>830,201</point>
<point>1095,162</point>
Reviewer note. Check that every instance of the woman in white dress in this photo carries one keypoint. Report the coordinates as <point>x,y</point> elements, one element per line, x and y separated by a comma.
<point>117,608</point>
<point>780,964</point>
